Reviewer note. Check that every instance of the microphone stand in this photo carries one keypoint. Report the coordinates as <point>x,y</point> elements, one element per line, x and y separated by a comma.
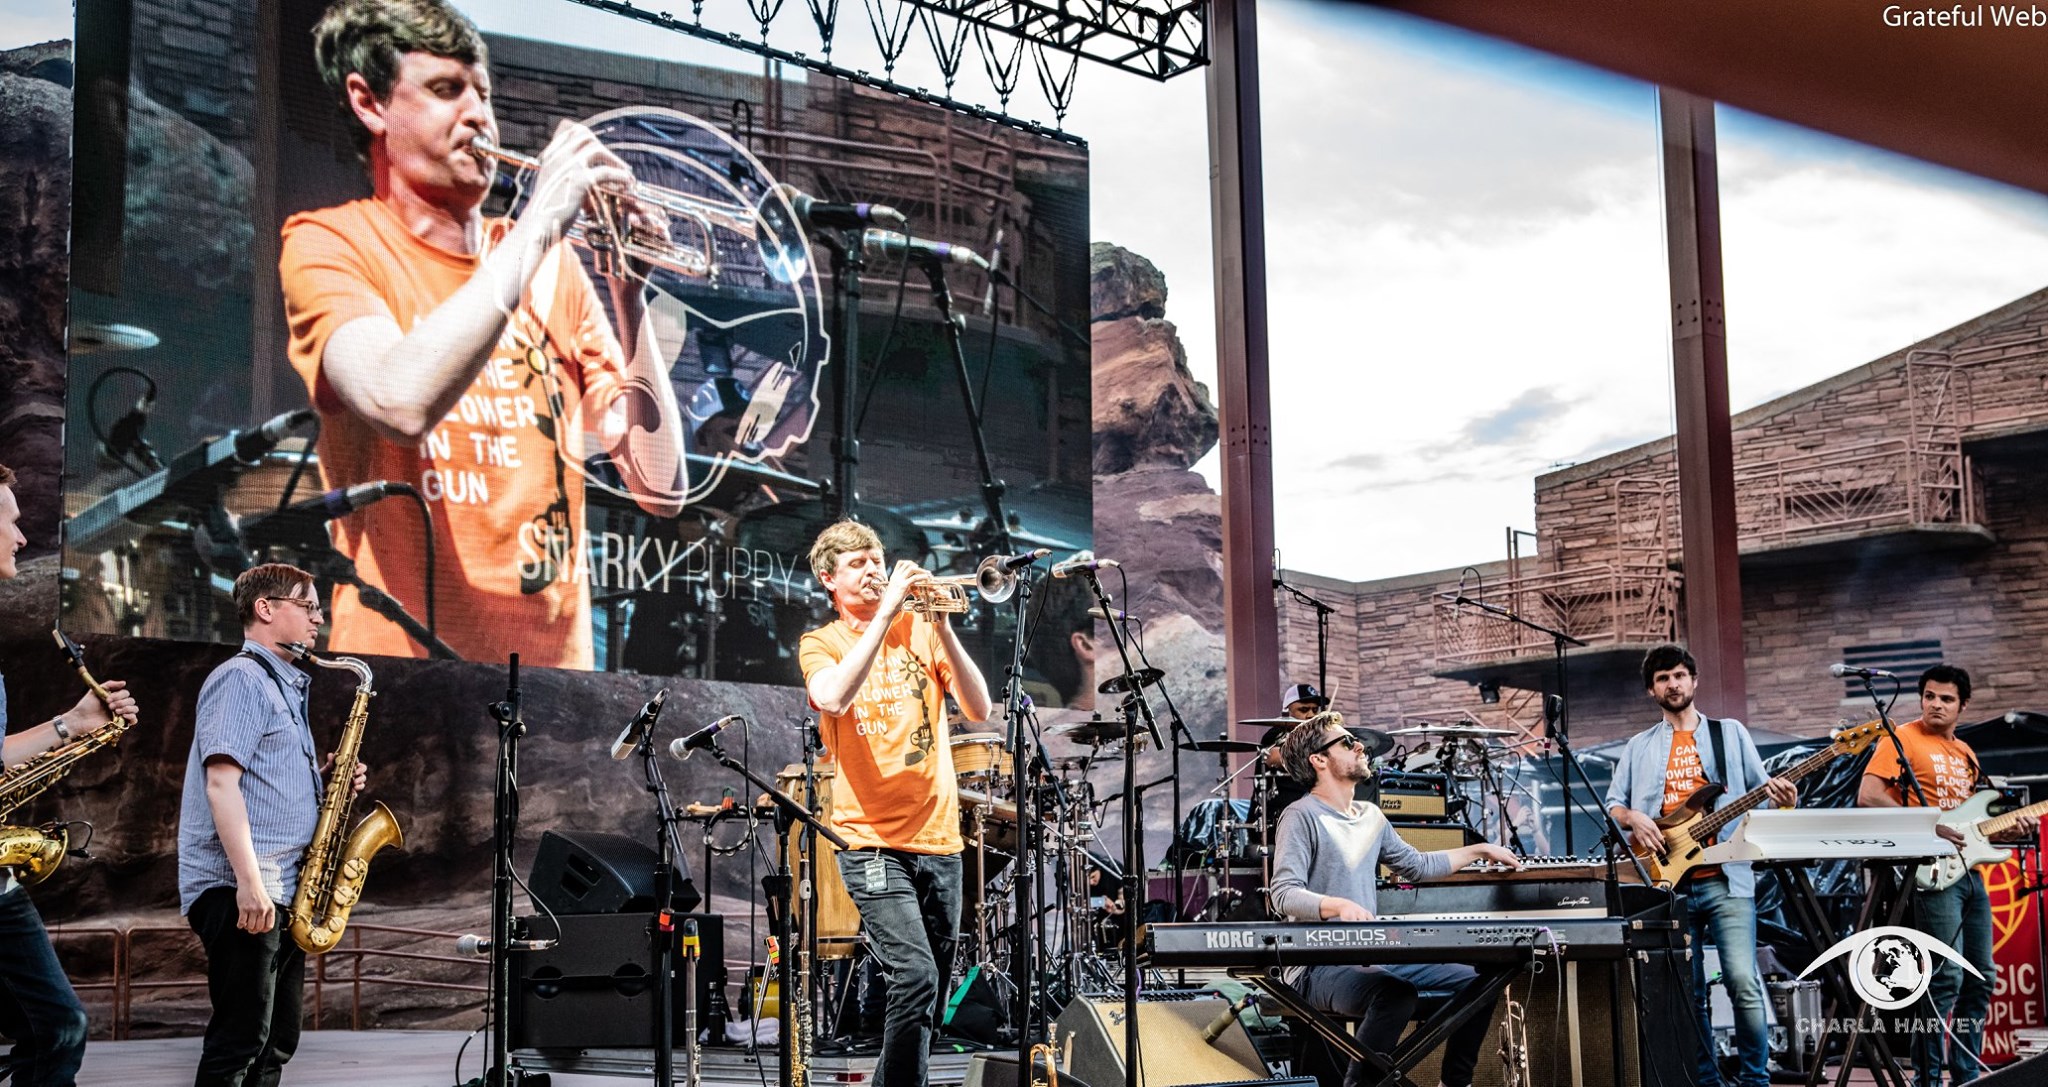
<point>1025,937</point>
<point>1135,709</point>
<point>1323,613</point>
<point>1560,730</point>
<point>788,813</point>
<point>504,827</point>
<point>847,264</point>
<point>663,926</point>
<point>322,560</point>
<point>1181,734</point>
<point>992,489</point>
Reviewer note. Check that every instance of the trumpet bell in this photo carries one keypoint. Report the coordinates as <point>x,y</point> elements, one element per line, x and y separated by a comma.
<point>993,582</point>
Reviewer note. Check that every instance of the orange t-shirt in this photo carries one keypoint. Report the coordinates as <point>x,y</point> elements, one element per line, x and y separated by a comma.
<point>897,789</point>
<point>505,497</point>
<point>1945,768</point>
<point>1684,773</point>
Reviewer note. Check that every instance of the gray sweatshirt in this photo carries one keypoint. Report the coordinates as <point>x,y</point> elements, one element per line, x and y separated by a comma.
<point>1322,852</point>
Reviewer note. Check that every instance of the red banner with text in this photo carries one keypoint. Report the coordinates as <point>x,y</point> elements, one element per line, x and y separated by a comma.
<point>2016,923</point>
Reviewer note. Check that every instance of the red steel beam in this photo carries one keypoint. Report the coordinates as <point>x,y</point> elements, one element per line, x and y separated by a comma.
<point>1251,622</point>
<point>1699,364</point>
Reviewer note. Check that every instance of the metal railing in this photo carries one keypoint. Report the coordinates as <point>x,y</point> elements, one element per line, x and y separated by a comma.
<point>1898,481</point>
<point>123,986</point>
<point>1600,605</point>
<point>2007,391</point>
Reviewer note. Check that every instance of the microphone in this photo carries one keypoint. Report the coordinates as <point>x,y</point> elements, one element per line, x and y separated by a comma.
<point>480,946</point>
<point>891,244</point>
<point>1840,671</point>
<point>1084,560</point>
<point>1226,1017</point>
<point>1022,559</point>
<point>819,215</point>
<point>290,523</point>
<point>642,724</point>
<point>683,746</point>
<point>191,481</point>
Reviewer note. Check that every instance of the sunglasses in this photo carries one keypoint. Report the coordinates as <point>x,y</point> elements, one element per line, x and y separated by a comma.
<point>1347,739</point>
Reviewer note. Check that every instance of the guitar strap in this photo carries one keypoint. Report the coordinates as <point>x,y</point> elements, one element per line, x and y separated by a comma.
<point>1715,746</point>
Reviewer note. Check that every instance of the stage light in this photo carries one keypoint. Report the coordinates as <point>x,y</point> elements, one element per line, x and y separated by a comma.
<point>1489,692</point>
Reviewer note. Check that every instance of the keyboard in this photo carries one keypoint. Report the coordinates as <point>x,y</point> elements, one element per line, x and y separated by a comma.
<point>1401,940</point>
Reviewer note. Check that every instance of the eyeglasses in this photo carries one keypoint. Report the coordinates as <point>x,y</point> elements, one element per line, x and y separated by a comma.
<point>1345,738</point>
<point>313,608</point>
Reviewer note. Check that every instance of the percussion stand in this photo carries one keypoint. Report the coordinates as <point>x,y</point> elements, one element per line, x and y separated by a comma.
<point>790,815</point>
<point>1180,733</point>
<point>1136,710</point>
<point>1027,933</point>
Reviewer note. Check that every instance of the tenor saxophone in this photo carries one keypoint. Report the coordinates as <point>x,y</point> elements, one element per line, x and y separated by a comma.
<point>35,852</point>
<point>338,860</point>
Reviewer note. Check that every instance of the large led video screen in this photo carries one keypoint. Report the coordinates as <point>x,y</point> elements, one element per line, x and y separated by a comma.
<point>700,310</point>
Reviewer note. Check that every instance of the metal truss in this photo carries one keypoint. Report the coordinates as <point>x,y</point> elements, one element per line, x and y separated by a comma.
<point>1143,37</point>
<point>1157,39</point>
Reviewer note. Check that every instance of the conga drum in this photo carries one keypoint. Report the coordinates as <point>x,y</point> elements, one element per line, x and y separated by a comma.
<point>838,918</point>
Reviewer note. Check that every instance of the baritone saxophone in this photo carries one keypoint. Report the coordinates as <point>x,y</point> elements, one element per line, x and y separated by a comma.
<point>338,860</point>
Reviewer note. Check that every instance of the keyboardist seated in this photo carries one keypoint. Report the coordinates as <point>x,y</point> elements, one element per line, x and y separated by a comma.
<point>1330,848</point>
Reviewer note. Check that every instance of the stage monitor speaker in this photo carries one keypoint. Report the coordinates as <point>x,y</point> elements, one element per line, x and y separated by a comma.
<point>2031,1072</point>
<point>595,988</point>
<point>582,871</point>
<point>992,1070</point>
<point>1089,1036</point>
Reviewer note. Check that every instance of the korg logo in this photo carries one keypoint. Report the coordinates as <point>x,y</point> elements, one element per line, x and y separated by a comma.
<point>1230,940</point>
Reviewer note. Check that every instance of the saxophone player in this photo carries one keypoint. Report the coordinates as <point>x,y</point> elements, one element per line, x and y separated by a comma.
<point>251,801</point>
<point>38,1008</point>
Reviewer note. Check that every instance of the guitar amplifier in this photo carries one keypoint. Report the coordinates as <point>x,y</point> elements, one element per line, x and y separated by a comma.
<point>1415,797</point>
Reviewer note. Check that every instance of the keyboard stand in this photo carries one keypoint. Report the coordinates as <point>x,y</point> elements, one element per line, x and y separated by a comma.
<point>1811,917</point>
<point>1391,1070</point>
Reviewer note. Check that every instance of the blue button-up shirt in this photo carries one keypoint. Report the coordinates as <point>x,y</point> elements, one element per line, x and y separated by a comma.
<point>1639,778</point>
<point>252,709</point>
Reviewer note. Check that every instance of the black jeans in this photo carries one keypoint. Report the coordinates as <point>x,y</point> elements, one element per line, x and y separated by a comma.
<point>257,984</point>
<point>910,908</point>
<point>38,1008</point>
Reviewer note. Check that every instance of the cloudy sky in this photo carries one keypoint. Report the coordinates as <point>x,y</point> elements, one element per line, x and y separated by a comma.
<point>1465,251</point>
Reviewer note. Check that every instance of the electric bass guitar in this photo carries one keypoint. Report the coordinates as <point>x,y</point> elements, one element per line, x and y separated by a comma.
<point>1694,824</point>
<point>1970,817</point>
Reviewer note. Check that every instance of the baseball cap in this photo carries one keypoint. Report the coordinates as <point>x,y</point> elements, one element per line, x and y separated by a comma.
<point>1303,692</point>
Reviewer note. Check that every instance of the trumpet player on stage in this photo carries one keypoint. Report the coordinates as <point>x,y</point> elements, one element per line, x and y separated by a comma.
<point>879,676</point>
<point>469,357</point>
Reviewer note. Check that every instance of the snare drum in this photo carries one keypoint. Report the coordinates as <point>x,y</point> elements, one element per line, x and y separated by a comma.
<point>980,760</point>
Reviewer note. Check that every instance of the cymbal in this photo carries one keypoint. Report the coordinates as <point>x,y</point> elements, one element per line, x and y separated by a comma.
<point>1267,722</point>
<point>1471,732</point>
<point>1093,733</point>
<point>1143,677</point>
<point>1234,747</point>
<point>1377,743</point>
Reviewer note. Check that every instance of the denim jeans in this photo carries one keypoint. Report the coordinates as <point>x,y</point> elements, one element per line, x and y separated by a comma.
<point>38,1009</point>
<point>1383,999</point>
<point>1729,923</point>
<point>1959,916</point>
<point>257,985</point>
<point>910,911</point>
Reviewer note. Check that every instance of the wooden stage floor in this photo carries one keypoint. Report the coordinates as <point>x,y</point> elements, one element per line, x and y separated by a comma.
<point>426,1058</point>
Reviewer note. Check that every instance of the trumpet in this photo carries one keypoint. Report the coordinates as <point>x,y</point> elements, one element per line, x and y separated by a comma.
<point>948,595</point>
<point>607,228</point>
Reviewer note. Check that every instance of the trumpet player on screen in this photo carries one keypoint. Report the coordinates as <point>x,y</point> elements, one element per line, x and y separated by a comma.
<point>879,676</point>
<point>469,357</point>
